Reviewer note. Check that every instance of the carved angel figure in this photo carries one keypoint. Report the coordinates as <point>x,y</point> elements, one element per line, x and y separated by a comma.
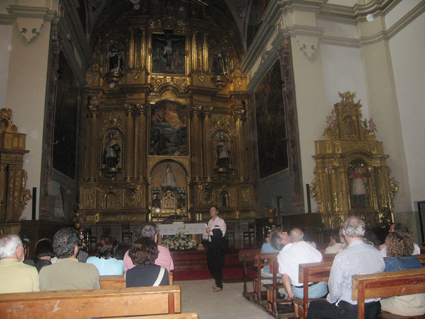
<point>372,126</point>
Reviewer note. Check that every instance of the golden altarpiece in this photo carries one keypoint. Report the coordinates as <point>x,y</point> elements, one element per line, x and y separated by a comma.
<point>351,173</point>
<point>13,192</point>
<point>166,129</point>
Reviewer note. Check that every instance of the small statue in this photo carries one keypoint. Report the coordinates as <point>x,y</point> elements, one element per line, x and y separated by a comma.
<point>115,59</point>
<point>111,154</point>
<point>219,66</point>
<point>223,155</point>
<point>372,126</point>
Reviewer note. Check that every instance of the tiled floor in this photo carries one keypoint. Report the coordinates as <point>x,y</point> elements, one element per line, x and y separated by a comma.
<point>197,296</point>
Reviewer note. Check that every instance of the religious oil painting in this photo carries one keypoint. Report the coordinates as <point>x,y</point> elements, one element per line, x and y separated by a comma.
<point>168,54</point>
<point>271,129</point>
<point>168,133</point>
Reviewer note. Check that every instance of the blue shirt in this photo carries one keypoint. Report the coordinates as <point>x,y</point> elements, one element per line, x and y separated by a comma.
<point>267,249</point>
<point>107,267</point>
<point>403,263</point>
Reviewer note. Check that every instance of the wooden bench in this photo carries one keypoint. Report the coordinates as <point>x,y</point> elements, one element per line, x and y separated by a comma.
<point>190,315</point>
<point>248,259</point>
<point>91,303</point>
<point>112,282</point>
<point>311,272</point>
<point>260,261</point>
<point>387,284</point>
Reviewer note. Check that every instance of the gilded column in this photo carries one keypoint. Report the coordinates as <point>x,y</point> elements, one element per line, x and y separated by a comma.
<point>205,53</point>
<point>208,158</point>
<point>194,52</point>
<point>240,151</point>
<point>129,146</point>
<point>132,51</point>
<point>196,143</point>
<point>94,162</point>
<point>141,152</point>
<point>143,50</point>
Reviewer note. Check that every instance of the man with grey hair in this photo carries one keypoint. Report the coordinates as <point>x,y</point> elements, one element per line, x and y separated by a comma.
<point>15,276</point>
<point>272,245</point>
<point>358,258</point>
<point>296,252</point>
<point>151,230</point>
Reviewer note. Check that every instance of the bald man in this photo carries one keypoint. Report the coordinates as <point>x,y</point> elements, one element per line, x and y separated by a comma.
<point>296,252</point>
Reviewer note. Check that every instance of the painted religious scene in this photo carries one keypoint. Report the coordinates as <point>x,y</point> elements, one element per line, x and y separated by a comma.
<point>168,130</point>
<point>168,53</point>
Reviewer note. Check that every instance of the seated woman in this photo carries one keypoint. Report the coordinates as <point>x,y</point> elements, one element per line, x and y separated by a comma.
<point>143,254</point>
<point>43,253</point>
<point>399,251</point>
<point>105,260</point>
<point>334,244</point>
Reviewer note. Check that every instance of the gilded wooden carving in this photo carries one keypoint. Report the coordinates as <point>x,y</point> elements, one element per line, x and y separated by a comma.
<point>351,173</point>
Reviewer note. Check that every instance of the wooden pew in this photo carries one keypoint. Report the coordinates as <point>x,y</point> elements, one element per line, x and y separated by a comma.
<point>311,272</point>
<point>248,259</point>
<point>191,315</point>
<point>386,284</point>
<point>91,303</point>
<point>260,261</point>
<point>112,282</point>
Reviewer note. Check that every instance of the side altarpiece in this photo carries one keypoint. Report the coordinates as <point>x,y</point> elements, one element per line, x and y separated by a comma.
<point>351,173</point>
<point>166,129</point>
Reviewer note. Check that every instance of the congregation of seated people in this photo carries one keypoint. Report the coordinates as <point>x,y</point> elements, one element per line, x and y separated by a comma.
<point>55,265</point>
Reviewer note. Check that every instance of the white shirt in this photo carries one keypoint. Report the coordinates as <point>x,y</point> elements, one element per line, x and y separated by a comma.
<point>294,254</point>
<point>218,223</point>
<point>416,250</point>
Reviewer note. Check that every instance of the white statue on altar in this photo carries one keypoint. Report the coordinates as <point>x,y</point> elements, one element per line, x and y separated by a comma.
<point>169,180</point>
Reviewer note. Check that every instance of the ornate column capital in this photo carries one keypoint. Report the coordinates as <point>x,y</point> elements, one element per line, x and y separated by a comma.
<point>195,110</point>
<point>141,109</point>
<point>240,115</point>
<point>93,109</point>
<point>128,108</point>
<point>207,110</point>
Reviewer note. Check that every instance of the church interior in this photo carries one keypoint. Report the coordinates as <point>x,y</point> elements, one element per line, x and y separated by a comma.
<point>280,113</point>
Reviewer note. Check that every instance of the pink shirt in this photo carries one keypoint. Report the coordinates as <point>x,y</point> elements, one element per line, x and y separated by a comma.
<point>164,259</point>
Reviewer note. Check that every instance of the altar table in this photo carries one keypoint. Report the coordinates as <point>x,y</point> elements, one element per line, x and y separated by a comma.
<point>190,229</point>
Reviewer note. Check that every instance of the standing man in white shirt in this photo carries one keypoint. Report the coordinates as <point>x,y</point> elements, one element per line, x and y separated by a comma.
<point>216,230</point>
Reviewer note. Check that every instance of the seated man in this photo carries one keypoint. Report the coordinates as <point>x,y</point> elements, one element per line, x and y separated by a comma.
<point>296,252</point>
<point>164,257</point>
<point>394,228</point>
<point>358,258</point>
<point>399,250</point>
<point>67,273</point>
<point>15,276</point>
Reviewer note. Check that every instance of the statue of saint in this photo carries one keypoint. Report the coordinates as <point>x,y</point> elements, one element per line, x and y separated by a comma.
<point>219,66</point>
<point>115,59</point>
<point>111,153</point>
<point>223,155</point>
<point>169,180</point>
<point>358,189</point>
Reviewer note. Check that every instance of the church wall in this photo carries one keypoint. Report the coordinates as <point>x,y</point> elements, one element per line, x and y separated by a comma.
<point>6,34</point>
<point>26,97</point>
<point>343,72</point>
<point>274,186</point>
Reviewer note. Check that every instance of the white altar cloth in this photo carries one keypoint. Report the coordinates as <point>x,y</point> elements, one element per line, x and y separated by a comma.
<point>191,229</point>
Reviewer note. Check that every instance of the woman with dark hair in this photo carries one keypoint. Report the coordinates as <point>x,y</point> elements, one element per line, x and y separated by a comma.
<point>43,253</point>
<point>143,254</point>
<point>399,252</point>
<point>105,260</point>
<point>335,243</point>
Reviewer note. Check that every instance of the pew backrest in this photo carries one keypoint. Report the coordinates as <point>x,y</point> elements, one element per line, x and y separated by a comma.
<point>190,315</point>
<point>386,284</point>
<point>118,281</point>
<point>91,303</point>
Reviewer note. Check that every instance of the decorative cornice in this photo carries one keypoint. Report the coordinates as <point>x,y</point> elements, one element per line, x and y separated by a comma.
<point>6,19</point>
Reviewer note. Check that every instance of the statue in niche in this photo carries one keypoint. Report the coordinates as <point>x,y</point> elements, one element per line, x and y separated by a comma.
<point>219,66</point>
<point>169,180</point>
<point>168,202</point>
<point>115,59</point>
<point>111,153</point>
<point>223,154</point>
<point>160,143</point>
<point>358,191</point>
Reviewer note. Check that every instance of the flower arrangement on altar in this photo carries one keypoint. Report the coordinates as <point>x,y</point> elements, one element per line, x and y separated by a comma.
<point>180,241</point>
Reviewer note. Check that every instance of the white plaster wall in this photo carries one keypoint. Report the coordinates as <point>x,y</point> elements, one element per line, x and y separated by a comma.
<point>5,48</point>
<point>343,72</point>
<point>400,10</point>
<point>331,28</point>
<point>407,52</point>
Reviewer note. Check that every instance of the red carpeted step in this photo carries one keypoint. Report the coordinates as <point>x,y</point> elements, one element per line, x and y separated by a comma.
<point>201,274</point>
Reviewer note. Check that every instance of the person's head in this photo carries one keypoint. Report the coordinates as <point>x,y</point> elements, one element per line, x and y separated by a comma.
<point>276,241</point>
<point>65,242</point>
<point>285,238</point>
<point>11,247</point>
<point>353,227</point>
<point>214,211</point>
<point>399,244</point>
<point>398,227</point>
<point>296,235</point>
<point>334,237</point>
<point>44,249</point>
<point>106,246</point>
<point>149,230</point>
<point>371,238</point>
<point>143,252</point>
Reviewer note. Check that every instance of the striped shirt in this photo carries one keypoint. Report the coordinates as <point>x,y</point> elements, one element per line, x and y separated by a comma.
<point>357,259</point>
